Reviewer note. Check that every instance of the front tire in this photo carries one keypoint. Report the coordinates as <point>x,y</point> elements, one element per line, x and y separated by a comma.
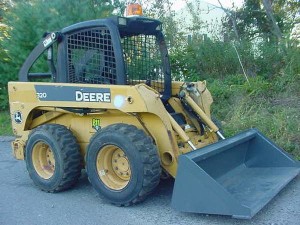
<point>122,164</point>
<point>53,158</point>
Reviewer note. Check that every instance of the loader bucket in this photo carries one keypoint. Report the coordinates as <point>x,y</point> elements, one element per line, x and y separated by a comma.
<point>237,176</point>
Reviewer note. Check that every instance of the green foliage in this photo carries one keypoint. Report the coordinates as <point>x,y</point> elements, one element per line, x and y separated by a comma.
<point>252,21</point>
<point>292,58</point>
<point>161,10</point>
<point>5,123</point>
<point>205,57</point>
<point>4,6</point>
<point>275,112</point>
<point>276,122</point>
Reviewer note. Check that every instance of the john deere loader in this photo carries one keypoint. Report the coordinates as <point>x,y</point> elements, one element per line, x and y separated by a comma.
<point>109,105</point>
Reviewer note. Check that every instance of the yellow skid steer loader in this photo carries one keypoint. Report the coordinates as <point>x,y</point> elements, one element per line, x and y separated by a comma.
<point>109,105</point>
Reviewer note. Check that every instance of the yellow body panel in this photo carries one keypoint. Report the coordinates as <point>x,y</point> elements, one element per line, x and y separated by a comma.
<point>138,105</point>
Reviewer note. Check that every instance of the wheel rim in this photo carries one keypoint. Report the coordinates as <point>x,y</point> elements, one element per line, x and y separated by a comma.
<point>43,160</point>
<point>113,167</point>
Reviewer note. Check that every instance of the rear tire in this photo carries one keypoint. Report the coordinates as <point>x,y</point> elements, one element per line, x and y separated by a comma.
<point>122,164</point>
<point>53,158</point>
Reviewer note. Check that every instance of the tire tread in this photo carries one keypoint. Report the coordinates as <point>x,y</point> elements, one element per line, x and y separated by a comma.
<point>148,153</point>
<point>69,150</point>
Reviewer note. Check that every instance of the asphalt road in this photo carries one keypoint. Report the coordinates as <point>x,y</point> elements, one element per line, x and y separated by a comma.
<point>22,203</point>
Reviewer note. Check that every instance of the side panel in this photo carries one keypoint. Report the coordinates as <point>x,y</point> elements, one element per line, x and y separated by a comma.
<point>24,97</point>
<point>83,107</point>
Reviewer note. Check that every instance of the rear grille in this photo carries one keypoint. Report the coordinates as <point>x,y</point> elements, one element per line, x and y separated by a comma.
<point>91,57</point>
<point>143,61</point>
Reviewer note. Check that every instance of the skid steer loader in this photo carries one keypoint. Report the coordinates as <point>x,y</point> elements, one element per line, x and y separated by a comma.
<point>109,105</point>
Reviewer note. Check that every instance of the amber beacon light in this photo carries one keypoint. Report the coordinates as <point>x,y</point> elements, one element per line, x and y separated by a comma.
<point>134,9</point>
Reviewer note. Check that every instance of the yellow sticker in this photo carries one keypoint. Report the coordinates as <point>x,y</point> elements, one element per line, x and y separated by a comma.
<point>96,124</point>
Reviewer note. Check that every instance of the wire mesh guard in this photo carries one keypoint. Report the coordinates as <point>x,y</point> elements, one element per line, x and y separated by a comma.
<point>143,61</point>
<point>91,57</point>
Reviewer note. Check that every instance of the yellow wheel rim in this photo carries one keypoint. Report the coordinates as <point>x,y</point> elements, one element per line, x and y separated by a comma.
<point>43,160</point>
<point>113,167</point>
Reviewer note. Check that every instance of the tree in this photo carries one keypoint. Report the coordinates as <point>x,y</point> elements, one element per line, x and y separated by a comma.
<point>162,11</point>
<point>4,6</point>
<point>266,25</point>
<point>266,19</point>
<point>275,28</point>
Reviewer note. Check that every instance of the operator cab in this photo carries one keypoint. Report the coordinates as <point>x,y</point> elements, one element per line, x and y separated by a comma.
<point>115,51</point>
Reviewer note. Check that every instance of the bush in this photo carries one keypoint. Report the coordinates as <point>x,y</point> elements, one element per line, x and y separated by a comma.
<point>5,124</point>
<point>262,105</point>
<point>206,58</point>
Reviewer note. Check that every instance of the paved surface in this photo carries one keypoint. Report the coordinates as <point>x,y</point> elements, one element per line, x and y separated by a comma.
<point>22,203</point>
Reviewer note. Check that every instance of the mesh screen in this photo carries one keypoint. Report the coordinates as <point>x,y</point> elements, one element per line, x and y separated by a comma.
<point>143,61</point>
<point>91,57</point>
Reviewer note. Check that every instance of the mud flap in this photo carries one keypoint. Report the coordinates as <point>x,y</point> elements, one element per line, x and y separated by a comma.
<point>237,176</point>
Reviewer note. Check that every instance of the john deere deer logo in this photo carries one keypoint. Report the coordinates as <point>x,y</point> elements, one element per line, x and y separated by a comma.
<point>18,117</point>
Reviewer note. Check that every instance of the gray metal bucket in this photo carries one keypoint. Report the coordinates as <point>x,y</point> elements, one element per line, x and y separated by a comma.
<point>237,176</point>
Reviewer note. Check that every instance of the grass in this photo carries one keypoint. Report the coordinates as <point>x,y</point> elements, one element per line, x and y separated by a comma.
<point>279,123</point>
<point>5,123</point>
<point>272,110</point>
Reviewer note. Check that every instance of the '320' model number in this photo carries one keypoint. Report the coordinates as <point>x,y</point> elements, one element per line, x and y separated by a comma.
<point>41,95</point>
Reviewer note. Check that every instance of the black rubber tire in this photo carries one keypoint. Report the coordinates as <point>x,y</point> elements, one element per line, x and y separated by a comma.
<point>66,153</point>
<point>142,155</point>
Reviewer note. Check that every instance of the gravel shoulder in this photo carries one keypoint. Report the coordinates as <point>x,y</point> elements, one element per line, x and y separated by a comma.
<point>23,203</point>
